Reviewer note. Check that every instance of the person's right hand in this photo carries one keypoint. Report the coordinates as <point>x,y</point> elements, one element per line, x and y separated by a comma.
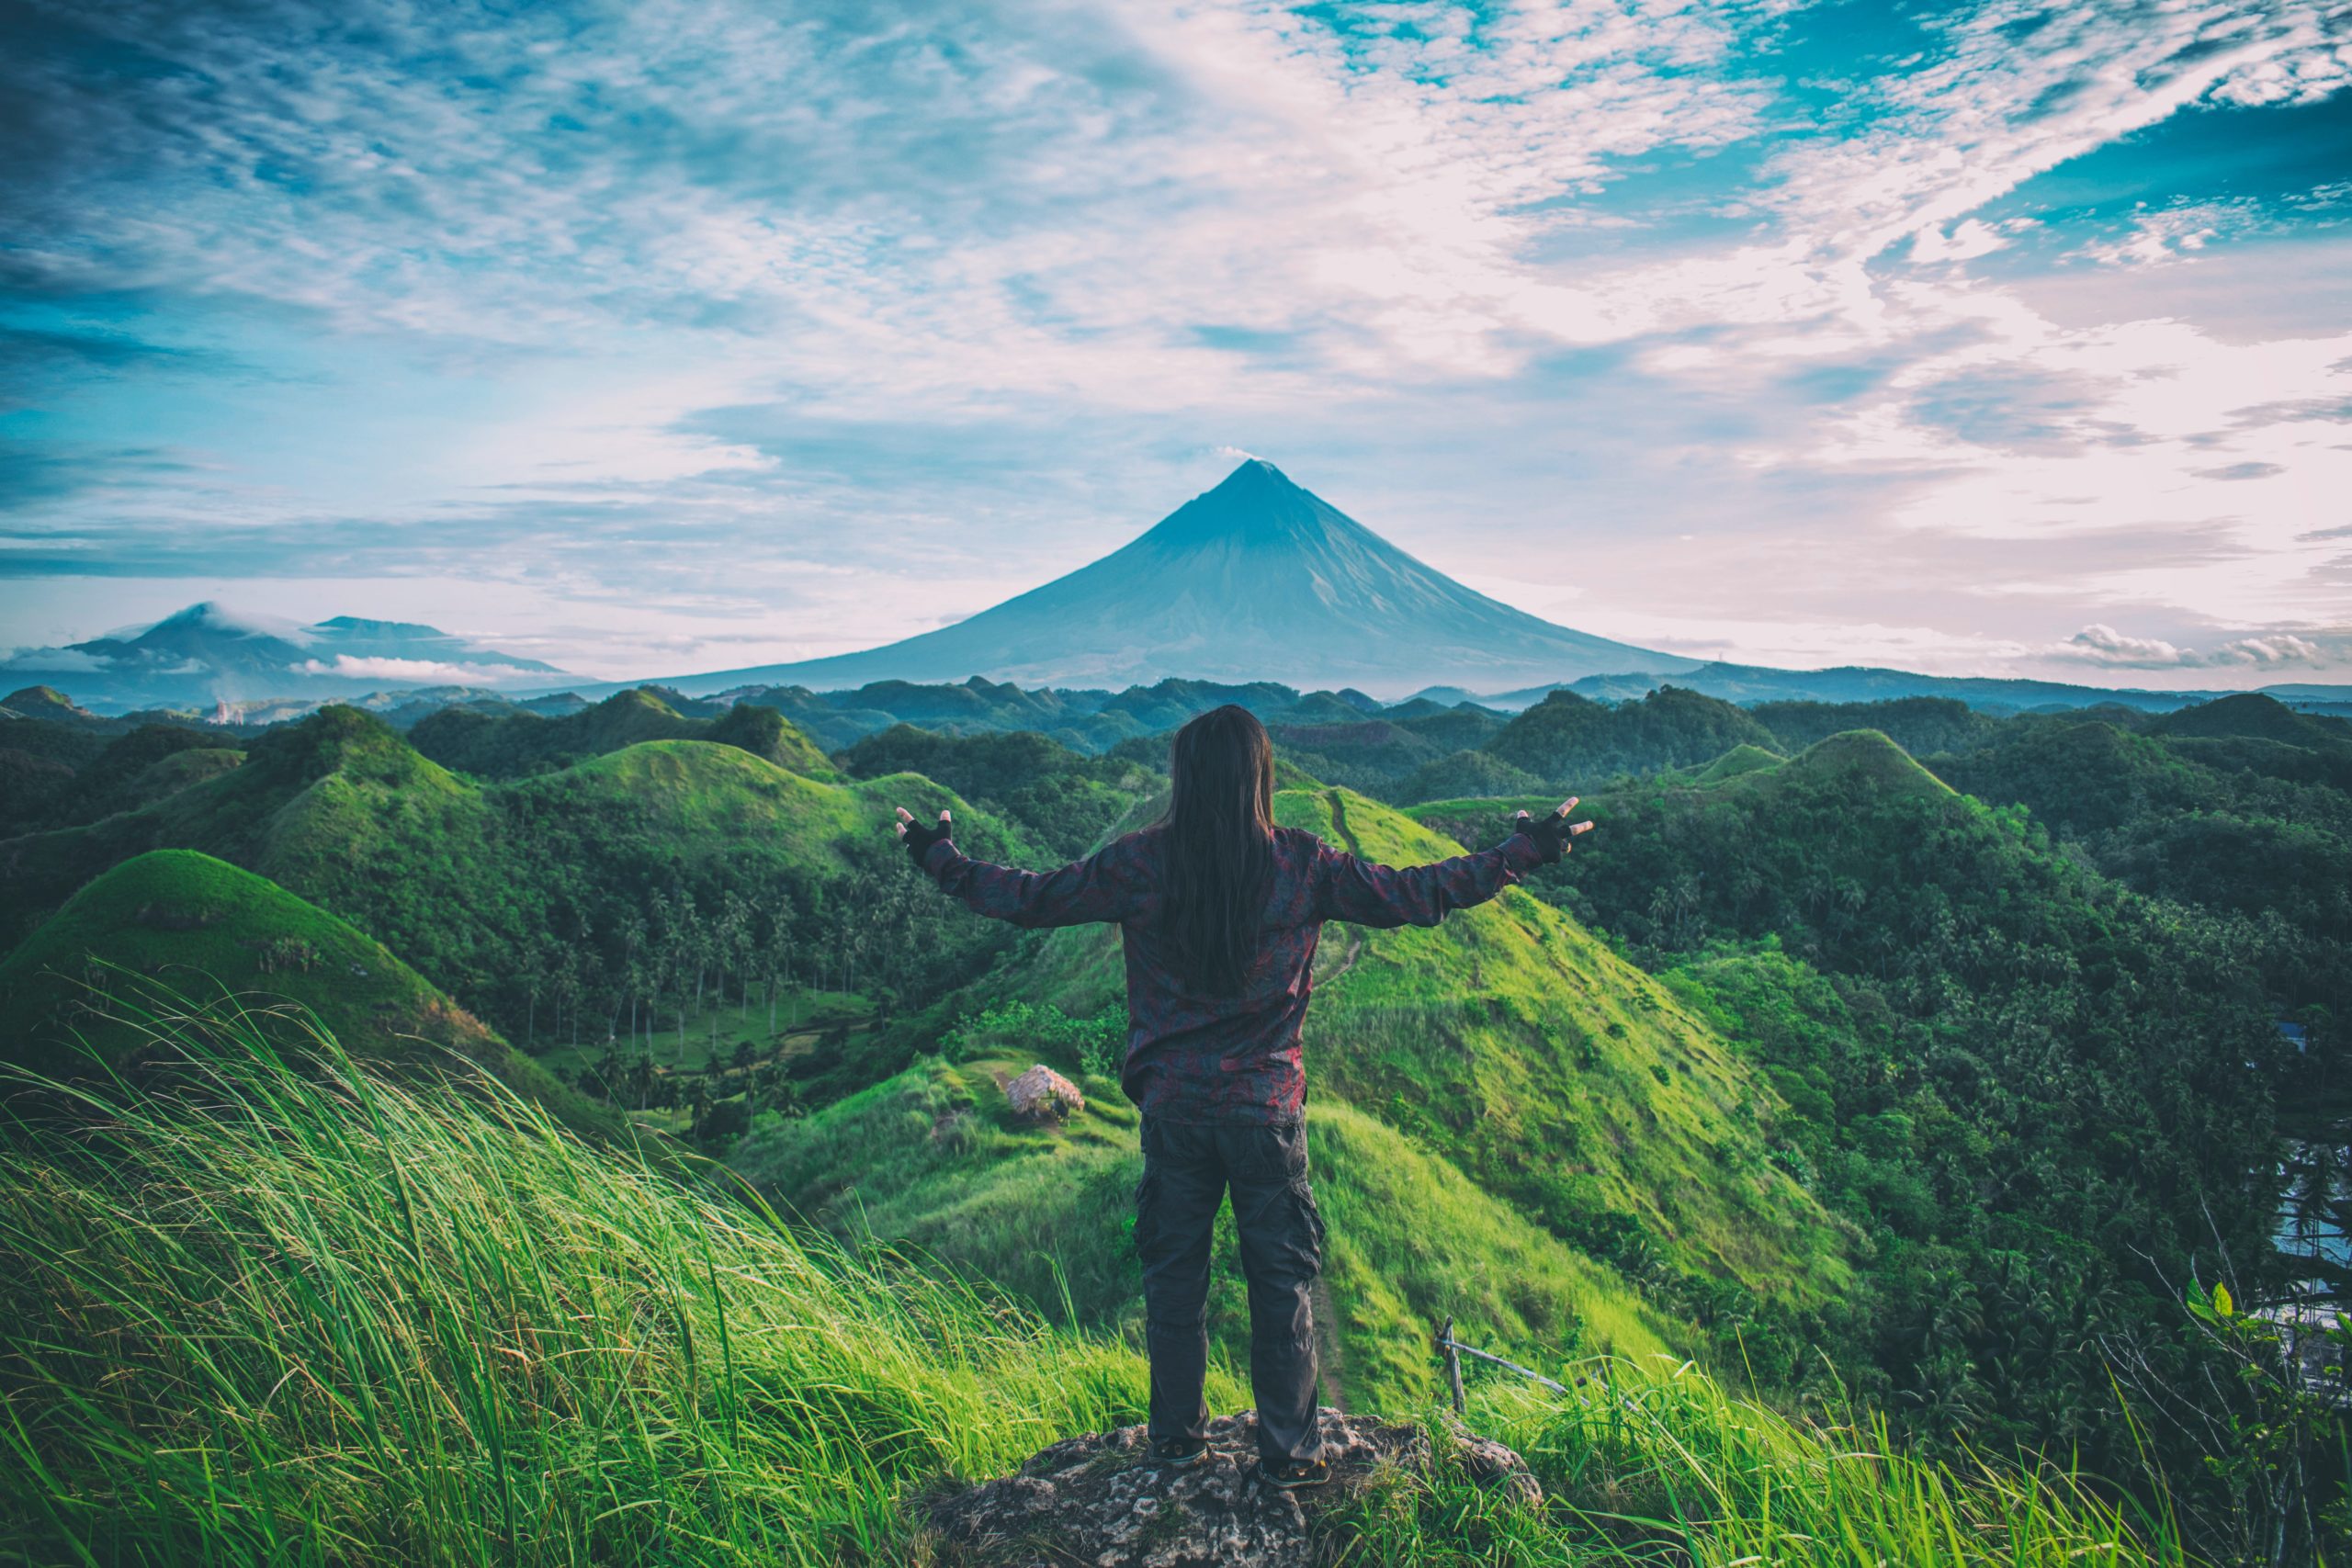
<point>917,838</point>
<point>1551,832</point>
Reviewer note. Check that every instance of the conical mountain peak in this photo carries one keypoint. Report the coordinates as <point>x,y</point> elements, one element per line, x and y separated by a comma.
<point>1255,504</point>
<point>1257,579</point>
<point>1254,476</point>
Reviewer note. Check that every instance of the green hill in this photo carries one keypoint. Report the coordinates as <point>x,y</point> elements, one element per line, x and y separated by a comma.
<point>2249,825</point>
<point>2079,778</point>
<point>1921,726</point>
<point>1991,1052</point>
<point>1464,725</point>
<point>2251,715</point>
<point>1366,754</point>
<point>1510,1046</point>
<point>646,879</point>
<point>371,1321</point>
<point>141,767</point>
<point>1463,776</point>
<point>517,743</point>
<point>1064,798</point>
<point>50,704</point>
<point>1571,741</point>
<point>200,925</point>
<point>933,1161</point>
<point>1739,760</point>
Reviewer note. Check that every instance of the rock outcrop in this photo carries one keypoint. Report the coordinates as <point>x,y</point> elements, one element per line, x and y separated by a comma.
<point>1042,1094</point>
<point>1100,1499</point>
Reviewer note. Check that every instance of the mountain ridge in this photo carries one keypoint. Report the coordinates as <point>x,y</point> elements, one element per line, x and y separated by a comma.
<point>207,653</point>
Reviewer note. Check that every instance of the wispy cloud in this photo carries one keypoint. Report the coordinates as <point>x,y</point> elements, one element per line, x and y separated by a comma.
<point>850,318</point>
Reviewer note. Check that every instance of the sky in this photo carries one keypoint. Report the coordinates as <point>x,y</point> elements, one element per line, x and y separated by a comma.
<point>655,337</point>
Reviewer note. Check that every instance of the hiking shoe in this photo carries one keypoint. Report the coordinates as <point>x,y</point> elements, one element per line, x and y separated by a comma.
<point>1179,1453</point>
<point>1290,1474</point>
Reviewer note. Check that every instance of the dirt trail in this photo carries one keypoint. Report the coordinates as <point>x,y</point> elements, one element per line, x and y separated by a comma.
<point>1355,937</point>
<point>1331,1367</point>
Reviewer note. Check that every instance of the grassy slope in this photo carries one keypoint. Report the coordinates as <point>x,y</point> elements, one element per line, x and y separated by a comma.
<point>367,1322</point>
<point>344,814</point>
<point>350,817</point>
<point>1510,1042</point>
<point>1557,1074</point>
<point>203,926</point>
<point>933,1161</point>
<point>1741,758</point>
<point>516,743</point>
<point>340,765</point>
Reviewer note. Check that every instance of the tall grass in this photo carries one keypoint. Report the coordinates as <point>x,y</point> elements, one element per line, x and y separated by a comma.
<point>1651,1461</point>
<point>260,1315</point>
<point>261,1308</point>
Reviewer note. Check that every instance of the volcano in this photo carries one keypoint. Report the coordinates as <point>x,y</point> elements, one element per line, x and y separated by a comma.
<point>1258,580</point>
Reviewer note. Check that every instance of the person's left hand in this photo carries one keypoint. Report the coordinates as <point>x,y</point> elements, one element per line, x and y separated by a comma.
<point>918,838</point>
<point>1551,832</point>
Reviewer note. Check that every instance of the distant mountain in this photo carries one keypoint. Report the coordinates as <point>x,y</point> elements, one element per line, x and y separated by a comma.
<point>208,654</point>
<point>1750,683</point>
<point>1256,579</point>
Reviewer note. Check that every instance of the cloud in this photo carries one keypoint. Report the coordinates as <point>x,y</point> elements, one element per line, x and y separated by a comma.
<point>365,668</point>
<point>2176,233</point>
<point>1968,240</point>
<point>838,319</point>
<point>2103,644</point>
<point>58,661</point>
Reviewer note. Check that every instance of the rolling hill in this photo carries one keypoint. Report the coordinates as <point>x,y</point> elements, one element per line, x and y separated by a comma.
<point>1256,576</point>
<point>1515,1048</point>
<point>519,742</point>
<point>505,892</point>
<point>175,920</point>
<point>2004,1067</point>
<point>932,1162</point>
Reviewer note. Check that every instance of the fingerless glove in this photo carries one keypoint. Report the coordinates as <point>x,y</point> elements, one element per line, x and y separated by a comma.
<point>918,840</point>
<point>1548,834</point>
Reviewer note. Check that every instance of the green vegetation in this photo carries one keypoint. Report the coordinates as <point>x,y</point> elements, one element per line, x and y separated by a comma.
<point>1666,1464</point>
<point>1463,774</point>
<point>2241,808</point>
<point>1363,754</point>
<point>934,1160</point>
<point>190,919</point>
<point>1806,1065</point>
<point>1512,1046</point>
<point>2045,1100</point>
<point>1921,726</point>
<point>360,1319</point>
<point>1568,738</point>
<point>174,919</point>
<point>1063,800</point>
<point>61,773</point>
<point>1739,760</point>
<point>517,743</point>
<point>604,901</point>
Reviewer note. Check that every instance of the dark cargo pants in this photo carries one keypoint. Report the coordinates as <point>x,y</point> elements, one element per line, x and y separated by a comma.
<point>1187,1167</point>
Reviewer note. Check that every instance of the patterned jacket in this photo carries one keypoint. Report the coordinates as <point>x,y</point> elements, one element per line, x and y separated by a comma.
<point>1192,1056</point>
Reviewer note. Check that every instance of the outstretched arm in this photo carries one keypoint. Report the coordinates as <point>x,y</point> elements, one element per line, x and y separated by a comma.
<point>1368,894</point>
<point>1100,888</point>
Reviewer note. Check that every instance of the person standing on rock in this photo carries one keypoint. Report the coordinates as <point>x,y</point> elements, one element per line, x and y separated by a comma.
<point>1220,911</point>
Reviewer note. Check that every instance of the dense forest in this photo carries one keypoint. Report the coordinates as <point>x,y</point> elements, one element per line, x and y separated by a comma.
<point>2044,1011</point>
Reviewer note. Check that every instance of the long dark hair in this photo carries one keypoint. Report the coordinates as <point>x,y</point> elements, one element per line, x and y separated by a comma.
<point>1218,839</point>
